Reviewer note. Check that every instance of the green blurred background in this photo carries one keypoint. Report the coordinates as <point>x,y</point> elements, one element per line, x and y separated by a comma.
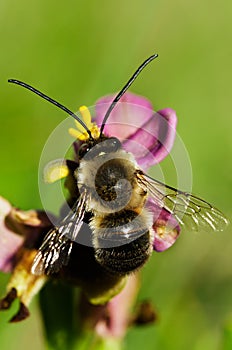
<point>77,51</point>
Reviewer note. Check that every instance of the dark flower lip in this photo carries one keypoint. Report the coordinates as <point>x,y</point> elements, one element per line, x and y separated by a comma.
<point>148,135</point>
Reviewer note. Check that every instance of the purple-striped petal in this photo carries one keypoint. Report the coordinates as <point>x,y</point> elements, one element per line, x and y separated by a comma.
<point>154,140</point>
<point>146,134</point>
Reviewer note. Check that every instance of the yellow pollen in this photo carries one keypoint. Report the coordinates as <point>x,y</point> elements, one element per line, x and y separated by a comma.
<point>54,171</point>
<point>80,132</point>
<point>86,116</point>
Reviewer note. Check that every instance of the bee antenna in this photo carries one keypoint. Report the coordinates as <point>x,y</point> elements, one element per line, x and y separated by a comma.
<point>125,88</point>
<point>49,99</point>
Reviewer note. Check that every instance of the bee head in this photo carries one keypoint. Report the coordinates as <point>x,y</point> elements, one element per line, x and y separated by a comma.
<point>97,147</point>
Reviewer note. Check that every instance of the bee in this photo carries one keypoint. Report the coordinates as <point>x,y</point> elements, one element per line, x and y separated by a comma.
<point>110,204</point>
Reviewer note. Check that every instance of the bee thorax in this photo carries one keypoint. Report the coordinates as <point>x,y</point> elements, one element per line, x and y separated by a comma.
<point>109,179</point>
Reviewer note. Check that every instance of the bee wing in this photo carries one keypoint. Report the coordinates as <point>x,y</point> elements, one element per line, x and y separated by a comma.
<point>57,245</point>
<point>188,210</point>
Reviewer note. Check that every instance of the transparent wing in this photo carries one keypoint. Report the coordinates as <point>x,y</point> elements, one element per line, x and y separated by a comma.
<point>188,210</point>
<point>57,245</point>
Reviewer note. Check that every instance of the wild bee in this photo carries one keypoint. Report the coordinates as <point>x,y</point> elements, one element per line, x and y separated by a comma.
<point>110,204</point>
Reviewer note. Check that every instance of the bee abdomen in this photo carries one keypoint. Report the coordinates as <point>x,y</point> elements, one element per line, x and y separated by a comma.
<point>122,241</point>
<point>125,258</point>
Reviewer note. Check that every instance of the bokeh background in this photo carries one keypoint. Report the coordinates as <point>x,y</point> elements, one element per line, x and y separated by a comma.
<point>78,51</point>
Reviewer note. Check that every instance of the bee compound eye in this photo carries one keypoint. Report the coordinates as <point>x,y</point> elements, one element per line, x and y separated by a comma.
<point>84,148</point>
<point>113,144</point>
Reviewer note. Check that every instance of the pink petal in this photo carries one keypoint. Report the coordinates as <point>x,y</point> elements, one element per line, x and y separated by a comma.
<point>146,134</point>
<point>165,226</point>
<point>10,242</point>
<point>154,140</point>
<point>129,114</point>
